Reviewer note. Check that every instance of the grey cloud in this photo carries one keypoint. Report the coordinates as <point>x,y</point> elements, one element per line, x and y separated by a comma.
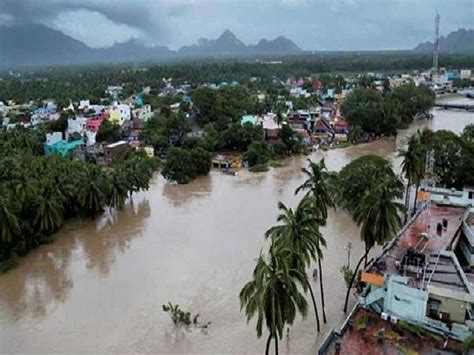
<point>313,24</point>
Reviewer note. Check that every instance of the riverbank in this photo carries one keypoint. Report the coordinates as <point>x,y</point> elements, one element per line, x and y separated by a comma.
<point>99,288</point>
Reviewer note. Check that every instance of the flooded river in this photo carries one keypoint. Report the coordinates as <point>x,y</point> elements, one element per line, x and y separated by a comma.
<point>99,288</point>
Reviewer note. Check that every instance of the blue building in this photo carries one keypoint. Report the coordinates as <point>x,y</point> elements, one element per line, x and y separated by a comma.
<point>61,147</point>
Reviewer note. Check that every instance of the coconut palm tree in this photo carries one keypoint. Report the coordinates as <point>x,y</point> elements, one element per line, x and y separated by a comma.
<point>9,222</point>
<point>299,232</point>
<point>49,209</point>
<point>118,188</point>
<point>413,165</point>
<point>273,294</point>
<point>378,214</point>
<point>318,185</point>
<point>409,166</point>
<point>91,191</point>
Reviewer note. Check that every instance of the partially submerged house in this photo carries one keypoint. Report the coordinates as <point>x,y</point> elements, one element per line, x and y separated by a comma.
<point>421,276</point>
<point>424,277</point>
<point>115,151</point>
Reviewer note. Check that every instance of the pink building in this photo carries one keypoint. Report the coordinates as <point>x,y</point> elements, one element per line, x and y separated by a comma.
<point>93,123</point>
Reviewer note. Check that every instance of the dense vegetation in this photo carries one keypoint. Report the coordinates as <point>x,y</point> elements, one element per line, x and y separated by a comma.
<point>454,158</point>
<point>38,193</point>
<point>188,141</point>
<point>89,82</point>
<point>383,113</point>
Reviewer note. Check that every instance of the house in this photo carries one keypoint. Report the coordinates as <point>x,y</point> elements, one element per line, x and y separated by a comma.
<point>54,137</point>
<point>341,125</point>
<point>322,128</point>
<point>341,129</point>
<point>249,119</point>
<point>94,122</point>
<point>120,113</point>
<point>143,113</point>
<point>4,109</point>
<point>132,130</point>
<point>424,272</point>
<point>328,110</point>
<point>227,161</point>
<point>61,147</point>
<point>115,151</point>
<point>317,85</point>
<point>84,104</point>
<point>269,125</point>
<point>299,120</point>
<point>89,138</point>
<point>76,124</point>
<point>175,107</point>
<point>465,74</point>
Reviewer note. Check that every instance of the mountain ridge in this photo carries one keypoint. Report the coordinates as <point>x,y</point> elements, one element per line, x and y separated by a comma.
<point>35,44</point>
<point>459,41</point>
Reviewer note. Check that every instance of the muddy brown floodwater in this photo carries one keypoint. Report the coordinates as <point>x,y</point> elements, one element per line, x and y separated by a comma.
<point>99,288</point>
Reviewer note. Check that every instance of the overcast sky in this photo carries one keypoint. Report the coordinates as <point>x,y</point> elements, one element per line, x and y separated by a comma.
<point>312,24</point>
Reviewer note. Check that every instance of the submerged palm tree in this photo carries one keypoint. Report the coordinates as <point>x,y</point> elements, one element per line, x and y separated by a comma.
<point>318,185</point>
<point>49,208</point>
<point>299,232</point>
<point>118,188</point>
<point>379,215</point>
<point>273,295</point>
<point>91,193</point>
<point>9,222</point>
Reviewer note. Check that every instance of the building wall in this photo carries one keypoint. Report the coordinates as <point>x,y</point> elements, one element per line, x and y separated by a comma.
<point>405,302</point>
<point>455,308</point>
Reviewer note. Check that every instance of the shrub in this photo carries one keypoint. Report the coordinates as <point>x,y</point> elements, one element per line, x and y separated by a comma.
<point>259,168</point>
<point>257,154</point>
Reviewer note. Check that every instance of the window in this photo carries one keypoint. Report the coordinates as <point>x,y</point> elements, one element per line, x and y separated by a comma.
<point>433,308</point>
<point>471,195</point>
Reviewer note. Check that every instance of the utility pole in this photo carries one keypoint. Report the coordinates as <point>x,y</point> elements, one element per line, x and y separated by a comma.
<point>436,45</point>
<point>348,247</point>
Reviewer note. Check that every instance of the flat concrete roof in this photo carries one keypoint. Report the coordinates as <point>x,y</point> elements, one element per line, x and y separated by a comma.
<point>412,237</point>
<point>362,337</point>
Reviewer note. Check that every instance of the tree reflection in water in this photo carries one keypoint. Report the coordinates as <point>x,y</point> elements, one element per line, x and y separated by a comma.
<point>43,279</point>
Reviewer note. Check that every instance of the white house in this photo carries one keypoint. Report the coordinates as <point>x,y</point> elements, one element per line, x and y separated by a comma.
<point>54,137</point>
<point>4,109</point>
<point>465,74</point>
<point>120,113</point>
<point>83,104</point>
<point>76,125</point>
<point>89,137</point>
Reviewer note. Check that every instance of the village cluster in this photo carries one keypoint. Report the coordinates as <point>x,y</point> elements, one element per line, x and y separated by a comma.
<point>320,125</point>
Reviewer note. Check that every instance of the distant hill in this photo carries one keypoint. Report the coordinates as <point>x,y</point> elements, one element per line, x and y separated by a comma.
<point>132,51</point>
<point>28,45</point>
<point>39,45</point>
<point>460,41</point>
<point>228,44</point>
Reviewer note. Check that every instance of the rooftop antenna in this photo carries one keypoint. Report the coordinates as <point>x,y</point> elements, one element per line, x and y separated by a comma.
<point>436,44</point>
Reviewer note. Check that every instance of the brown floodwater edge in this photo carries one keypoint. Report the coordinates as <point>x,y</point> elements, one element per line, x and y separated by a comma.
<point>100,286</point>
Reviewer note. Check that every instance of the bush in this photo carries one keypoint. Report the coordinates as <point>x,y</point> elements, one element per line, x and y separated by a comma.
<point>361,175</point>
<point>259,168</point>
<point>279,149</point>
<point>184,165</point>
<point>258,153</point>
<point>109,132</point>
<point>8,264</point>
